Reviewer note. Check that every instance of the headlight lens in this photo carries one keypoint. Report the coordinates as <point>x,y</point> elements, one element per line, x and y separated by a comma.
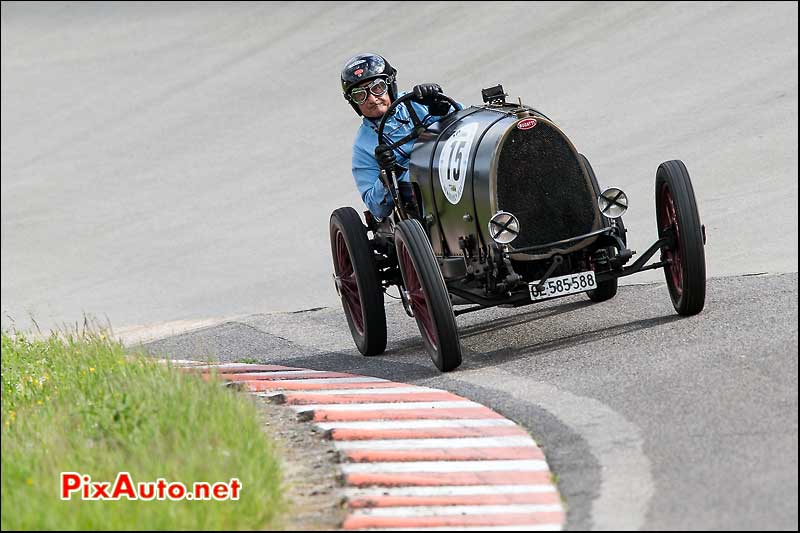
<point>613,202</point>
<point>503,227</point>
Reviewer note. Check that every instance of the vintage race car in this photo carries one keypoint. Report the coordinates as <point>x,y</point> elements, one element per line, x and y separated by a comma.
<point>502,210</point>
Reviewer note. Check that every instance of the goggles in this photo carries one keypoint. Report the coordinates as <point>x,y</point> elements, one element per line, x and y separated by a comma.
<point>376,88</point>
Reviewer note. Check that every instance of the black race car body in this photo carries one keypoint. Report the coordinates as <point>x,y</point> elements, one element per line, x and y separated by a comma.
<point>504,158</point>
<point>504,210</point>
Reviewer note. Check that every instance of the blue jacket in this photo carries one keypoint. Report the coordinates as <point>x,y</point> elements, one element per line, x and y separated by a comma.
<point>366,171</point>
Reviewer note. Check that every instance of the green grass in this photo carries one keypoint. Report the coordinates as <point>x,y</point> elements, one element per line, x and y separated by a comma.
<point>79,403</point>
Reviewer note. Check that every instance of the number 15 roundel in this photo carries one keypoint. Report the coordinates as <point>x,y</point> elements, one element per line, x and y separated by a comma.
<point>453,161</point>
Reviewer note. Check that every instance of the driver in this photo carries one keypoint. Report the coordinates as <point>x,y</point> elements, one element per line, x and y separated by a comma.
<point>369,84</point>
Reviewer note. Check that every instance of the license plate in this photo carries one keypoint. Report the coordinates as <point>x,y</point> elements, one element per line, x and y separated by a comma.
<point>563,285</point>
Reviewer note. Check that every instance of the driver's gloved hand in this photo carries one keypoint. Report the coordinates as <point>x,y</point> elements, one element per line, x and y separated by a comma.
<point>440,108</point>
<point>426,93</point>
<point>385,156</point>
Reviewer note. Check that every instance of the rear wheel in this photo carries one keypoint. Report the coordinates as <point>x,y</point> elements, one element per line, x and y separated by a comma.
<point>677,217</point>
<point>427,295</point>
<point>357,282</point>
<point>605,289</point>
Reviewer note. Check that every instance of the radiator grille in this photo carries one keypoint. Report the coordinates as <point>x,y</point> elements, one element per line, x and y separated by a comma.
<point>539,180</point>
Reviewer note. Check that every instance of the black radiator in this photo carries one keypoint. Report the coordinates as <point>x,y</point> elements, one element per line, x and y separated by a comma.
<point>539,179</point>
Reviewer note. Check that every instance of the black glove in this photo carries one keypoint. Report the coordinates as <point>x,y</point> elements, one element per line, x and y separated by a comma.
<point>440,108</point>
<point>385,156</point>
<point>426,93</point>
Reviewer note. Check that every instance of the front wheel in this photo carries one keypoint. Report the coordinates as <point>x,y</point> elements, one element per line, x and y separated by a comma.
<point>427,295</point>
<point>678,219</point>
<point>357,283</point>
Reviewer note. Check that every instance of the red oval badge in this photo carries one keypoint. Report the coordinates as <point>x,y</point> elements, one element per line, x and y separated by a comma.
<point>526,124</point>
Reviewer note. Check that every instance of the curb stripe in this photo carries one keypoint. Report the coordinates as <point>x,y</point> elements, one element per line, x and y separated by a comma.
<point>418,424</point>
<point>232,368</point>
<point>395,406</point>
<point>409,414</point>
<point>463,454</point>
<point>399,444</point>
<point>550,498</point>
<point>546,498</point>
<point>384,397</point>
<point>317,383</point>
<point>361,522</point>
<point>516,527</point>
<point>449,490</point>
<point>443,433</point>
<point>401,479</point>
<point>367,391</point>
<point>257,375</point>
<point>179,362</point>
<point>274,387</point>
<point>463,510</point>
<point>287,374</point>
<point>531,465</point>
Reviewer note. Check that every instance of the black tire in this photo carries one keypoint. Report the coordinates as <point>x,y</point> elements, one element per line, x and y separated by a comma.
<point>427,295</point>
<point>676,212</point>
<point>605,289</point>
<point>357,281</point>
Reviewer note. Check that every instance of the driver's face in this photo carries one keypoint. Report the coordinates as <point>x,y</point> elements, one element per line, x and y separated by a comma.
<point>374,106</point>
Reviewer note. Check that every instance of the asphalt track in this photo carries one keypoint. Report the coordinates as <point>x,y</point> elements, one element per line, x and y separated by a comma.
<point>175,165</point>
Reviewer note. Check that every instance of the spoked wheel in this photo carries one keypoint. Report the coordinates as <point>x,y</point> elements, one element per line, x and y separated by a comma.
<point>427,295</point>
<point>605,289</point>
<point>677,218</point>
<point>357,281</point>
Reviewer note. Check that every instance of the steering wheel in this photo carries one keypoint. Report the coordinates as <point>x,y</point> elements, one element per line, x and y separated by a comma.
<point>419,127</point>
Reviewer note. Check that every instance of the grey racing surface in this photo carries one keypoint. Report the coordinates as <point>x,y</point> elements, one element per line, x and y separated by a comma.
<point>168,163</point>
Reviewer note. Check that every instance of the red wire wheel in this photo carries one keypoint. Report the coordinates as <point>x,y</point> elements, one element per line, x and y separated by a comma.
<point>356,280</point>
<point>678,219</point>
<point>427,295</point>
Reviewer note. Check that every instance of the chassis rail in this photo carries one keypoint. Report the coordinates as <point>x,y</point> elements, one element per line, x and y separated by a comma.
<point>521,295</point>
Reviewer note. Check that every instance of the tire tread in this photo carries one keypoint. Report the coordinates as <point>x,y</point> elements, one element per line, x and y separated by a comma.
<point>373,342</point>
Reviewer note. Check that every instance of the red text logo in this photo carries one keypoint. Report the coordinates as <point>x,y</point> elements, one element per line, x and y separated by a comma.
<point>81,485</point>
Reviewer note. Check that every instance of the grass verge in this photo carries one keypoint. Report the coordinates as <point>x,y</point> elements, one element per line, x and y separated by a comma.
<point>79,403</point>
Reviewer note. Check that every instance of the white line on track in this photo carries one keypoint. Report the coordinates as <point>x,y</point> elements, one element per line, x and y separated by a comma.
<point>418,424</point>
<point>387,406</point>
<point>465,442</point>
<point>450,510</point>
<point>532,465</point>
<point>449,490</point>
